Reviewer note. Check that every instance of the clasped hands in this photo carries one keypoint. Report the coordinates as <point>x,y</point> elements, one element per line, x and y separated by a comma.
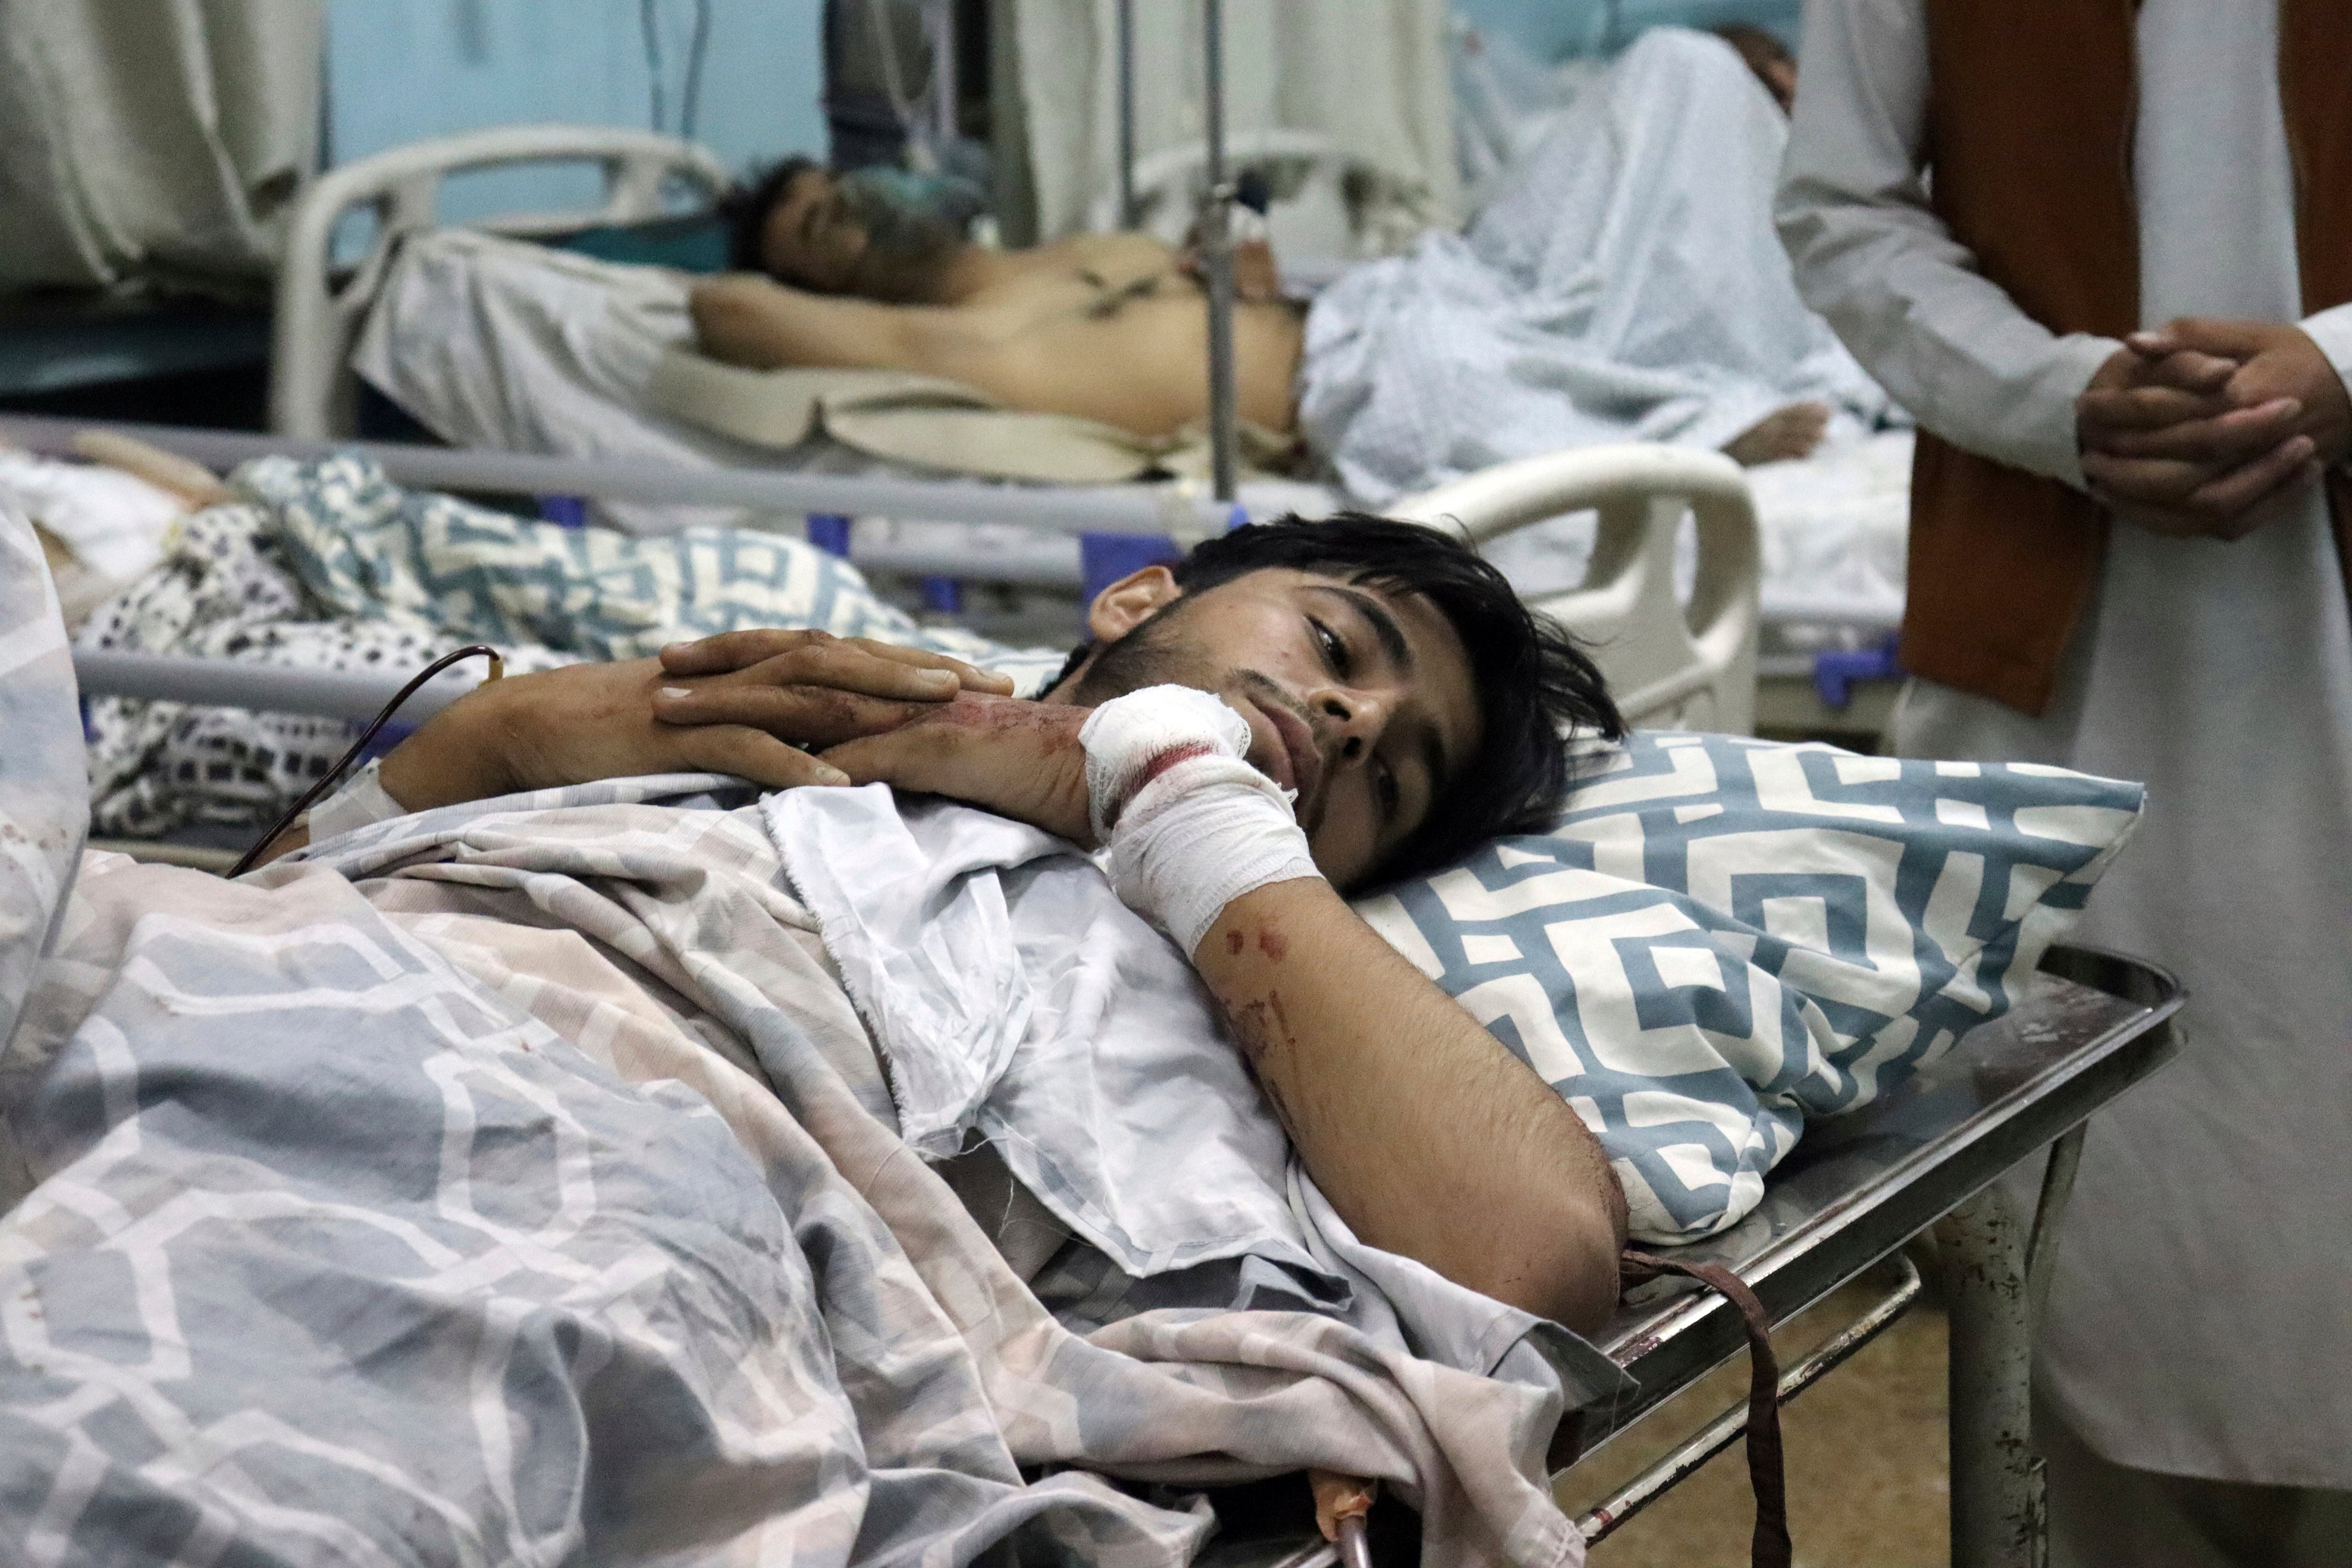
<point>779,708</point>
<point>2211,428</point>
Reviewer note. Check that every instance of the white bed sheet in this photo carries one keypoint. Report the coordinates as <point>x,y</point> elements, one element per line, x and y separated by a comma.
<point>1832,532</point>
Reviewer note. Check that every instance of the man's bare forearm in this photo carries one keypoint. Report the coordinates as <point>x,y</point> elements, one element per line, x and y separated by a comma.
<point>476,748</point>
<point>1428,1136</point>
<point>762,325</point>
<point>451,758</point>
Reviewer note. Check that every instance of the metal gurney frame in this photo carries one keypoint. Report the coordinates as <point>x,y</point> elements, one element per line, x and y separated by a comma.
<point>1925,1156</point>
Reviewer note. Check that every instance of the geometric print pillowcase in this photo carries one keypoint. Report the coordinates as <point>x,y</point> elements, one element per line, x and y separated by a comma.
<point>1724,937</point>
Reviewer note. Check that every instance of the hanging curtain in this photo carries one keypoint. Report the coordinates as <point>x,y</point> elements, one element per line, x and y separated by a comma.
<point>1371,75</point>
<point>153,141</point>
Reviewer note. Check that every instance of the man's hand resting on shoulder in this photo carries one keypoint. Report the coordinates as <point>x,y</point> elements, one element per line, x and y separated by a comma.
<point>741,702</point>
<point>2211,428</point>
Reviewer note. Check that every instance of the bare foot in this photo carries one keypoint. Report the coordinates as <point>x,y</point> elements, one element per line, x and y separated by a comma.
<point>1791,432</point>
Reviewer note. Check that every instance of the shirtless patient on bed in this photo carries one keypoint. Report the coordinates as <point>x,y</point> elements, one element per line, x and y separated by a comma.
<point>1111,327</point>
<point>838,273</point>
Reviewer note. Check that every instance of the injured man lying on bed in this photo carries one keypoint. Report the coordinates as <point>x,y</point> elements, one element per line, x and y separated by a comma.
<point>567,1150</point>
<point>1629,286</point>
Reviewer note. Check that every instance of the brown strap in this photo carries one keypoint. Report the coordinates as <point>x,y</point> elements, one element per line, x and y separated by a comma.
<point>1769,1548</point>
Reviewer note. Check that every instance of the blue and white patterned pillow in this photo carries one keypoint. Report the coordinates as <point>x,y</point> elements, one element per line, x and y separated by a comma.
<point>1723,937</point>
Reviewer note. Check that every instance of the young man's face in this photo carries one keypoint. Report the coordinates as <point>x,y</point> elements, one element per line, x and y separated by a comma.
<point>865,234</point>
<point>1359,698</point>
<point>809,239</point>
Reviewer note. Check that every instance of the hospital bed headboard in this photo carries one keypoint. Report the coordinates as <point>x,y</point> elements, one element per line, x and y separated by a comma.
<point>312,391</point>
<point>1671,666</point>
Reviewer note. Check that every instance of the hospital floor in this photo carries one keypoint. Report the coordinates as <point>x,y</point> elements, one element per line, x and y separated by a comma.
<point>1868,1481</point>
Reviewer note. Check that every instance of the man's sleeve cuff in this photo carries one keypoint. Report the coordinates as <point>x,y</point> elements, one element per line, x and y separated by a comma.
<point>2080,355</point>
<point>2332,329</point>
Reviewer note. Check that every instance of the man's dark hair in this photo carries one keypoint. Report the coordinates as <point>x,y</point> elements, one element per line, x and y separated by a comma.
<point>1532,679</point>
<point>746,207</point>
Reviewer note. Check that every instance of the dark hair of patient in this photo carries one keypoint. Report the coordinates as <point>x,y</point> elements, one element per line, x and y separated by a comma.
<point>1532,679</point>
<point>745,211</point>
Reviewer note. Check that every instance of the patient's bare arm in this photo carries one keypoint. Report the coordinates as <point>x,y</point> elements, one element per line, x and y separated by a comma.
<point>591,722</point>
<point>747,319</point>
<point>1429,1137</point>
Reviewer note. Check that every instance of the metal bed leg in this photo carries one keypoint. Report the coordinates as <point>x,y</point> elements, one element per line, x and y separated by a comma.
<point>1997,1266</point>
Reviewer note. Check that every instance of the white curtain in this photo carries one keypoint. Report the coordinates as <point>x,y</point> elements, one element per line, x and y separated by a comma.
<point>1371,75</point>
<point>152,139</point>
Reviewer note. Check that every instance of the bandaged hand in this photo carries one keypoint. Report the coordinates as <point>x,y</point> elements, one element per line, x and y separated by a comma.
<point>1189,825</point>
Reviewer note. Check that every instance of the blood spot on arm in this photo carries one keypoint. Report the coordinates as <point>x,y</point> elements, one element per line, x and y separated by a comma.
<point>1274,945</point>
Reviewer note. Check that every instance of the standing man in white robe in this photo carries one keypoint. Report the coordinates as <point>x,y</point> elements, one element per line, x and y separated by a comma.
<point>2123,561</point>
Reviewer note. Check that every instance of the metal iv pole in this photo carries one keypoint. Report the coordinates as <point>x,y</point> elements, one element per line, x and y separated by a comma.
<point>1217,256</point>
<point>1127,114</point>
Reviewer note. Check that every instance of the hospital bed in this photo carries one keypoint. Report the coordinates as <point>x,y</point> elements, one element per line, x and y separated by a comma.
<point>1855,1190</point>
<point>1825,668</point>
<point>1673,666</point>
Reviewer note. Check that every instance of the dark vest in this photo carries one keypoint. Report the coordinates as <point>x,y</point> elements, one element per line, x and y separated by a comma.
<point>2030,130</point>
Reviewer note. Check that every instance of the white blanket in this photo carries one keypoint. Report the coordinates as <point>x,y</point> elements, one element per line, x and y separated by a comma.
<point>1014,997</point>
<point>1629,286</point>
<point>1834,529</point>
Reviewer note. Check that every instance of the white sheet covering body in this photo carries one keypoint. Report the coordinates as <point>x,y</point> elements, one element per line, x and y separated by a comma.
<point>505,1181</point>
<point>1627,286</point>
<point>498,344</point>
<point>2196,1323</point>
<point>1014,996</point>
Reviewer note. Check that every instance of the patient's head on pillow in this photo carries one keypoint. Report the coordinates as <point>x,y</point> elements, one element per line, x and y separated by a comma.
<point>1388,673</point>
<point>879,233</point>
<point>1766,55</point>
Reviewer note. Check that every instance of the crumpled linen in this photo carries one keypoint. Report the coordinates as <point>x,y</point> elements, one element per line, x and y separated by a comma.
<point>341,1245</point>
<point>327,564</point>
<point>1089,1055</point>
<point>43,815</point>
<point>1628,286</point>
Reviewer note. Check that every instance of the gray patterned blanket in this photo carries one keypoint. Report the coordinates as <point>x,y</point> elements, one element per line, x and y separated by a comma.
<point>504,1185</point>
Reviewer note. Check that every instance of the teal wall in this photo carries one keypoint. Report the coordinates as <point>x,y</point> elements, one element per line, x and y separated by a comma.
<point>1554,29</point>
<point>400,70</point>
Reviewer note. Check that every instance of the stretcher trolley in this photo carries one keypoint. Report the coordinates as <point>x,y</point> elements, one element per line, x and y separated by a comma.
<point>1926,1159</point>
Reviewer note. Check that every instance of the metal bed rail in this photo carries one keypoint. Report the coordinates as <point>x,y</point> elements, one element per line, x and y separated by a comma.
<point>1673,666</point>
<point>1163,509</point>
<point>354,695</point>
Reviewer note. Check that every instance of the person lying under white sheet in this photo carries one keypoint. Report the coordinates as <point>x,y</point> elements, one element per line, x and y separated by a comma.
<point>1628,285</point>
<point>1383,703</point>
